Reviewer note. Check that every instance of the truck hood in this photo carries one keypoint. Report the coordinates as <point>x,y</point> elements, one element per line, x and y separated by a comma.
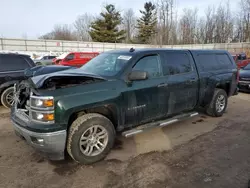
<point>40,70</point>
<point>244,73</point>
<point>67,78</point>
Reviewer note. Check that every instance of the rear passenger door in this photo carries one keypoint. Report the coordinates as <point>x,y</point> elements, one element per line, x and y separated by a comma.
<point>182,79</point>
<point>12,67</point>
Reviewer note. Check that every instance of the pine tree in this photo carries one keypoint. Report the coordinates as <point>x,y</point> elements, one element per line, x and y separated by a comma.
<point>147,23</point>
<point>105,28</point>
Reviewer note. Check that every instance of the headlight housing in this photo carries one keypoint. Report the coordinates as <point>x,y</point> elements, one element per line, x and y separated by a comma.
<point>42,102</point>
<point>42,109</point>
<point>45,117</point>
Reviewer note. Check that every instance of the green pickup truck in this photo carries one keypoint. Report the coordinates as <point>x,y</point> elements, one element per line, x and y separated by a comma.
<point>126,92</point>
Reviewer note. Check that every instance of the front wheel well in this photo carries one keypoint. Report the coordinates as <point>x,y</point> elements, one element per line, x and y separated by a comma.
<point>108,111</point>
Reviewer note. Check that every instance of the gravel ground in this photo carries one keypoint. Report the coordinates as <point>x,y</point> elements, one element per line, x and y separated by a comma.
<point>218,157</point>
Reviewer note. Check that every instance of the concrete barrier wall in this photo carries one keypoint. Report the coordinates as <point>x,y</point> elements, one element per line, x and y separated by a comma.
<point>58,47</point>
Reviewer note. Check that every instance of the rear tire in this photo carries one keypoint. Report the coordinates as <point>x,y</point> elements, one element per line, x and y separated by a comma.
<point>7,97</point>
<point>218,103</point>
<point>85,144</point>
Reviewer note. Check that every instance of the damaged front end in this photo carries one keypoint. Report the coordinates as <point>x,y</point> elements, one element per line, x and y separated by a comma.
<point>64,79</point>
<point>29,105</point>
<point>59,82</point>
<point>33,119</point>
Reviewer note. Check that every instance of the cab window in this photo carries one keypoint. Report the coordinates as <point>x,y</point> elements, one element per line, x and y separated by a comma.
<point>150,64</point>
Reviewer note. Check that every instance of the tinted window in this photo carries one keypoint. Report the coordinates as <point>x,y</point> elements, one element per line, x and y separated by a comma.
<point>70,56</point>
<point>13,63</point>
<point>223,60</point>
<point>176,63</point>
<point>211,62</point>
<point>242,57</point>
<point>52,57</point>
<point>149,64</point>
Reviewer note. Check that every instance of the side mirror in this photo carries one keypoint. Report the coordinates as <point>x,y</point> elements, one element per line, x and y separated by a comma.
<point>138,75</point>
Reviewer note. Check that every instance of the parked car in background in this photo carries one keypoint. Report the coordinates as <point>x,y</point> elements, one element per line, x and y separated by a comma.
<point>59,58</point>
<point>12,67</point>
<point>77,59</point>
<point>241,59</point>
<point>45,60</point>
<point>244,79</point>
<point>128,91</point>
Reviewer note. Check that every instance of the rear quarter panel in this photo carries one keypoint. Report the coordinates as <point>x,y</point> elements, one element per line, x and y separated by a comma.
<point>209,80</point>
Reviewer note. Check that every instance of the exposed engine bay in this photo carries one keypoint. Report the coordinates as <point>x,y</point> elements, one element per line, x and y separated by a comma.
<point>22,94</point>
<point>58,82</point>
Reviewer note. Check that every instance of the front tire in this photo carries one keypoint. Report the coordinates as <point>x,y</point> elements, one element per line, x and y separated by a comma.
<point>90,138</point>
<point>218,103</point>
<point>7,97</point>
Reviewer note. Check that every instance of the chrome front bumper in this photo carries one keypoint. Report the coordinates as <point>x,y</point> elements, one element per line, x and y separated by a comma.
<point>52,144</point>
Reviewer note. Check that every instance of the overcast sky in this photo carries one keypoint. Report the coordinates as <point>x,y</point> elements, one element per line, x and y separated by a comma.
<point>32,18</point>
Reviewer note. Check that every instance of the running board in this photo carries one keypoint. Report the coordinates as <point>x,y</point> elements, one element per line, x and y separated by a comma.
<point>162,123</point>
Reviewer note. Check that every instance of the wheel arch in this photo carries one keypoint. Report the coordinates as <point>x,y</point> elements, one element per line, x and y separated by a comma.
<point>224,86</point>
<point>215,84</point>
<point>7,85</point>
<point>109,111</point>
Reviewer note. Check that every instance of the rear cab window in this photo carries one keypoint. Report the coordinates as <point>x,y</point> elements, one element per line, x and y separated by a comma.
<point>214,61</point>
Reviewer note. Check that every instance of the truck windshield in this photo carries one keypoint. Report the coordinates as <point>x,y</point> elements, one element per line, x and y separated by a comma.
<point>106,64</point>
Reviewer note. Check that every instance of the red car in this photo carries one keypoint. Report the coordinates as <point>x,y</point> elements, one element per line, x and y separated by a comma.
<point>77,59</point>
<point>241,59</point>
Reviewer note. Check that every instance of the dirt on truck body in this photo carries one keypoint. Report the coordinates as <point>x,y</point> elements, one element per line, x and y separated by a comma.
<point>80,111</point>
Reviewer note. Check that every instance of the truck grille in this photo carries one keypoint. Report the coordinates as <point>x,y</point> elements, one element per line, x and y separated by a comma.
<point>245,79</point>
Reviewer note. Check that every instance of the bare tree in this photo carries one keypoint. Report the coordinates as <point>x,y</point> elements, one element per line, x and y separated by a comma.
<point>245,22</point>
<point>188,24</point>
<point>238,28</point>
<point>129,23</point>
<point>165,9</point>
<point>210,25</point>
<point>223,24</point>
<point>82,25</point>
<point>200,31</point>
<point>60,32</point>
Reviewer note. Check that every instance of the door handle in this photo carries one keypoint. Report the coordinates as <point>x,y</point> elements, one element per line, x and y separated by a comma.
<point>163,85</point>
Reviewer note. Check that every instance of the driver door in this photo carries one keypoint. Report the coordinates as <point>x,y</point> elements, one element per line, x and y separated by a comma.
<point>144,98</point>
